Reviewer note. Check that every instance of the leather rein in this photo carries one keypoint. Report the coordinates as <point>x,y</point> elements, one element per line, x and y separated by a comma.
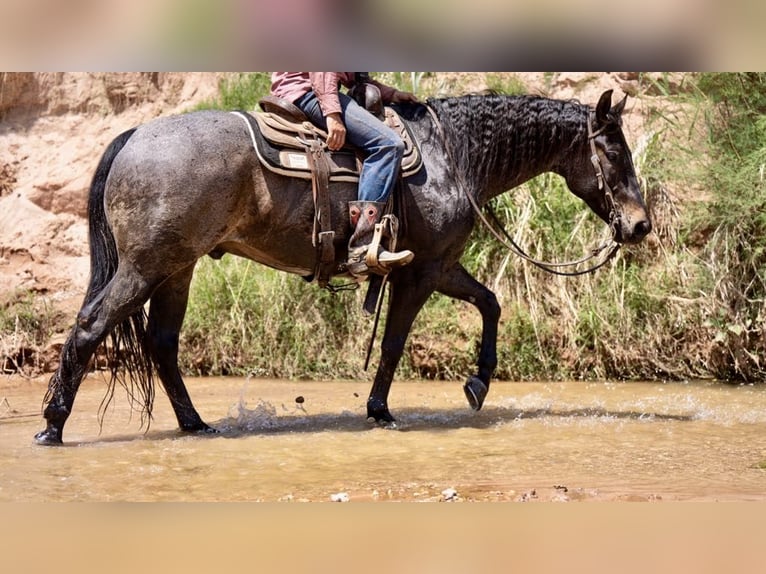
<point>508,242</point>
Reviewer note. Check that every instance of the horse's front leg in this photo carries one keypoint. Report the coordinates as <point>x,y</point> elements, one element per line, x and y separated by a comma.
<point>409,292</point>
<point>457,283</point>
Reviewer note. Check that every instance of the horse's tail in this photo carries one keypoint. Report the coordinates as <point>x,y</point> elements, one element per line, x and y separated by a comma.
<point>128,348</point>
<point>103,250</point>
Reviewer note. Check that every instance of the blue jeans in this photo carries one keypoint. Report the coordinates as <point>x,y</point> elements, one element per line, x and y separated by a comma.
<point>382,145</point>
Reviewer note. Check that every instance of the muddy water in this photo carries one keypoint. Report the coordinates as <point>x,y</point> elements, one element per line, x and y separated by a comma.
<point>532,441</point>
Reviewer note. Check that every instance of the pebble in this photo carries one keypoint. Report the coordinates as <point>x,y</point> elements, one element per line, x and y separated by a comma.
<point>449,494</point>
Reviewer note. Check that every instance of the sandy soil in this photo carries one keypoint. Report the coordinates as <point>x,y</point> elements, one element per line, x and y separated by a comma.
<point>53,130</point>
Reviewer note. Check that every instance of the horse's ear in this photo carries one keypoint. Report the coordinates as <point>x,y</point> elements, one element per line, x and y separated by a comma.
<point>603,107</point>
<point>619,107</point>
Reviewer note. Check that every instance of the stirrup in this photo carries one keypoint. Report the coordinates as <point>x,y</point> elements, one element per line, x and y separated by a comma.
<point>379,260</point>
<point>391,259</point>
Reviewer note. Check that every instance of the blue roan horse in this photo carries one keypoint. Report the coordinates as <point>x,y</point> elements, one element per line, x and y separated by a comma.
<point>178,188</point>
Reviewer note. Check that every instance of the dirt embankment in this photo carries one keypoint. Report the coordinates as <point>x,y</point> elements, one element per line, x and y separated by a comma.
<point>55,126</point>
<point>53,129</point>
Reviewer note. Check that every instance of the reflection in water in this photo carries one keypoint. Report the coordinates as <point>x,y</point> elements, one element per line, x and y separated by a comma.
<point>297,440</point>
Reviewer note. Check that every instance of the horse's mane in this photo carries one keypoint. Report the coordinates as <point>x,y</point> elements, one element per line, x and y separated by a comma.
<point>508,135</point>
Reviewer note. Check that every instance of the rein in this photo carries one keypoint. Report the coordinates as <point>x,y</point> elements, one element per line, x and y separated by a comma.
<point>508,242</point>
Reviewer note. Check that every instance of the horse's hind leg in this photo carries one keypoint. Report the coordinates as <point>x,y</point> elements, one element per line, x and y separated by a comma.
<point>457,283</point>
<point>62,388</point>
<point>124,294</point>
<point>166,313</point>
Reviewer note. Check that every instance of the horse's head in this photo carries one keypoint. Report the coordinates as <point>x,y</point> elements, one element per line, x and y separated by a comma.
<point>606,179</point>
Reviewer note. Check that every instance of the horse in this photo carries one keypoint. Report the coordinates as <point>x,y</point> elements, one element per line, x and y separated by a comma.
<point>177,188</point>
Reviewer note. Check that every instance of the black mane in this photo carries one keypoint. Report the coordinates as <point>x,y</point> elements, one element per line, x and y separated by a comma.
<point>508,137</point>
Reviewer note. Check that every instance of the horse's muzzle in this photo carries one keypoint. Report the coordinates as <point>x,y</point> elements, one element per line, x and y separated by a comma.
<point>632,232</point>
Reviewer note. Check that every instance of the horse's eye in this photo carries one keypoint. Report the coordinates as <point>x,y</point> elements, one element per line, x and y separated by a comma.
<point>612,156</point>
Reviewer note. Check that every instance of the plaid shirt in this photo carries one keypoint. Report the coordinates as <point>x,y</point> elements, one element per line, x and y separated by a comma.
<point>292,85</point>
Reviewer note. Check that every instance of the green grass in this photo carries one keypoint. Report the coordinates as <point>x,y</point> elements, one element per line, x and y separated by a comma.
<point>27,323</point>
<point>239,91</point>
<point>244,318</point>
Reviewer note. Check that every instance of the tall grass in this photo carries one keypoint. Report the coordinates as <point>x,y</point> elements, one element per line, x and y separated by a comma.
<point>239,91</point>
<point>244,318</point>
<point>27,323</point>
<point>734,224</point>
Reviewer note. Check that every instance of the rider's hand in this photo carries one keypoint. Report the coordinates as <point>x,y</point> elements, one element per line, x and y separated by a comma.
<point>400,97</point>
<point>336,132</point>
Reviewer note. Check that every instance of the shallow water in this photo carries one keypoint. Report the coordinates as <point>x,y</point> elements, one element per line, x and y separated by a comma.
<point>532,441</point>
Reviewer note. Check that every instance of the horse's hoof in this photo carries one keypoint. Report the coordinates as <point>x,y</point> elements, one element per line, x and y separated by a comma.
<point>199,427</point>
<point>382,418</point>
<point>49,437</point>
<point>384,423</point>
<point>379,413</point>
<point>475,391</point>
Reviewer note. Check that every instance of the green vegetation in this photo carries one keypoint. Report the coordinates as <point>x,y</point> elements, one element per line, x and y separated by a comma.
<point>266,323</point>
<point>734,222</point>
<point>240,92</point>
<point>686,303</point>
<point>26,325</point>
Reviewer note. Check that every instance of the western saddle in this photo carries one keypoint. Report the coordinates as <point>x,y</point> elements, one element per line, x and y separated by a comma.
<point>288,143</point>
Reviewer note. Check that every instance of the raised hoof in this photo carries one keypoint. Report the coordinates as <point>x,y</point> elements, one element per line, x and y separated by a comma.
<point>49,437</point>
<point>475,391</point>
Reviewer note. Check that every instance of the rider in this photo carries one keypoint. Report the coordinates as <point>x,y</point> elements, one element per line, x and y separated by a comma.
<point>318,95</point>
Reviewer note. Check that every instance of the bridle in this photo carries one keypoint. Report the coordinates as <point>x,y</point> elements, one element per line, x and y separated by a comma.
<point>614,213</point>
<point>508,242</point>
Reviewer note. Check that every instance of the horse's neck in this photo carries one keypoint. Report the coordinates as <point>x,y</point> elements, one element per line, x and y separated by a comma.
<point>520,139</point>
<point>493,187</point>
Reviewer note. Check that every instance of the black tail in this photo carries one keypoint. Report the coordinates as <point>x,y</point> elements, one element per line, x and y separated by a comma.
<point>128,348</point>
<point>103,251</point>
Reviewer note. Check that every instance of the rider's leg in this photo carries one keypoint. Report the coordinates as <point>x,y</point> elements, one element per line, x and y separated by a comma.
<point>384,150</point>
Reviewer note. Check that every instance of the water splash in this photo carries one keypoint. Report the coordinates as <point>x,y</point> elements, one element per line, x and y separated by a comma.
<point>266,416</point>
<point>262,417</point>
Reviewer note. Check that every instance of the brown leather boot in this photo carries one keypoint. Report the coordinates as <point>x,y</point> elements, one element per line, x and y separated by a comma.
<point>364,215</point>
